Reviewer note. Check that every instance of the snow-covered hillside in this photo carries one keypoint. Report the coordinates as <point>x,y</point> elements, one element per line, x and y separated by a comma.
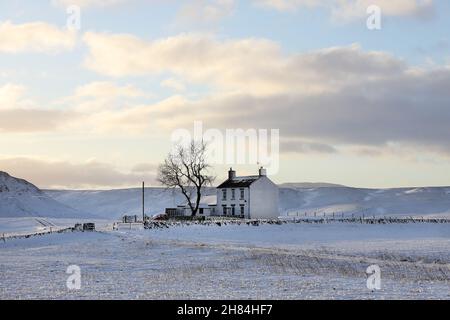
<point>434,201</point>
<point>113,204</point>
<point>19,198</point>
<point>293,198</point>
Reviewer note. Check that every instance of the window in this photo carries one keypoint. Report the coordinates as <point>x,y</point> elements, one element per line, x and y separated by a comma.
<point>233,194</point>
<point>242,194</point>
<point>224,210</point>
<point>201,210</point>
<point>224,194</point>
<point>242,210</point>
<point>233,210</point>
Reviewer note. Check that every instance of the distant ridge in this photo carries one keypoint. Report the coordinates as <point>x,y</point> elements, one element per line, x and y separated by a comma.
<point>309,185</point>
<point>295,198</point>
<point>20,198</point>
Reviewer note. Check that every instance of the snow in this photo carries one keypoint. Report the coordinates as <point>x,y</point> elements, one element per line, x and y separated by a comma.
<point>430,201</point>
<point>27,224</point>
<point>33,225</point>
<point>112,204</point>
<point>19,198</point>
<point>289,261</point>
<point>301,234</point>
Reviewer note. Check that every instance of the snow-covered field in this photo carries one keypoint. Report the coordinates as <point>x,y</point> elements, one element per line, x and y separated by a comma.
<point>32,225</point>
<point>289,261</point>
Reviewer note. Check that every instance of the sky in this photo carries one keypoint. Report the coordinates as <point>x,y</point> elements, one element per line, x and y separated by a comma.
<point>91,91</point>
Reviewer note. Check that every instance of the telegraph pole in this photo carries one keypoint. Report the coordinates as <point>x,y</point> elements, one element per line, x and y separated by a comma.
<point>143,202</point>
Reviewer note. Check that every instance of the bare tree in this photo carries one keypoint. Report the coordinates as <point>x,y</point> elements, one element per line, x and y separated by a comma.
<point>187,168</point>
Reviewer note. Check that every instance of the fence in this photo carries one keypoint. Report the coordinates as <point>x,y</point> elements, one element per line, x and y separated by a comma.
<point>364,219</point>
<point>25,235</point>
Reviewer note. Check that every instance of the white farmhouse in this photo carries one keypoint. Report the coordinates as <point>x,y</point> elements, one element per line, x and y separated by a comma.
<point>251,197</point>
<point>248,196</point>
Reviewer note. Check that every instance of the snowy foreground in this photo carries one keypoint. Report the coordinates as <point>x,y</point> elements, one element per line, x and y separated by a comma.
<point>289,261</point>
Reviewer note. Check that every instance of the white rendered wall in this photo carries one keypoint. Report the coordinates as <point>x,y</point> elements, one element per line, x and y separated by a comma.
<point>263,199</point>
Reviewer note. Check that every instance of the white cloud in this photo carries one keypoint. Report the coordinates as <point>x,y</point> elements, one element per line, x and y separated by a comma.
<point>284,5</point>
<point>12,96</point>
<point>249,65</point>
<point>106,89</point>
<point>204,12</point>
<point>101,95</point>
<point>348,9</point>
<point>87,109</point>
<point>34,37</point>
<point>405,109</point>
<point>89,3</point>
<point>21,114</point>
<point>174,84</point>
<point>33,120</point>
<point>320,99</point>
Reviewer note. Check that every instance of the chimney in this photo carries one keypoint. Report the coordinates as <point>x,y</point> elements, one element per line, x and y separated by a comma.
<point>262,172</point>
<point>231,174</point>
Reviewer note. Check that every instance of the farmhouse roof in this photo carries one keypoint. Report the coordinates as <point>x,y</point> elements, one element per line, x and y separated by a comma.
<point>239,182</point>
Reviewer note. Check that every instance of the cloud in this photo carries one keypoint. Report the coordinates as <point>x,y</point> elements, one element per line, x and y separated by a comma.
<point>410,108</point>
<point>20,114</point>
<point>88,109</point>
<point>199,58</point>
<point>174,84</point>
<point>347,10</point>
<point>249,65</point>
<point>103,89</point>
<point>332,96</point>
<point>321,100</point>
<point>350,9</point>
<point>145,168</point>
<point>299,146</point>
<point>204,13</point>
<point>89,3</point>
<point>285,5</point>
<point>34,37</point>
<point>33,120</point>
<point>102,95</point>
<point>12,96</point>
<point>63,174</point>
